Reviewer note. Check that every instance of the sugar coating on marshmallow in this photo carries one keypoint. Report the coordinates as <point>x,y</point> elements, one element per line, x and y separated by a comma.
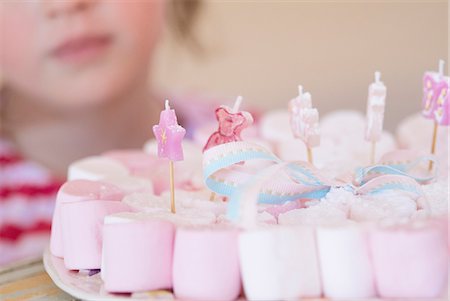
<point>130,184</point>
<point>95,168</point>
<point>437,197</point>
<point>187,217</point>
<point>198,199</point>
<point>263,219</point>
<point>315,215</point>
<point>383,206</point>
<point>146,202</point>
<point>340,198</point>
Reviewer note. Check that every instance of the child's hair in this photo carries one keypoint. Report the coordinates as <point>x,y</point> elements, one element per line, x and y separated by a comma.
<point>182,14</point>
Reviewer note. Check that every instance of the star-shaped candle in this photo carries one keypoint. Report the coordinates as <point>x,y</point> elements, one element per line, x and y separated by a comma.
<point>169,135</point>
<point>375,113</point>
<point>231,123</point>
<point>435,102</point>
<point>304,120</point>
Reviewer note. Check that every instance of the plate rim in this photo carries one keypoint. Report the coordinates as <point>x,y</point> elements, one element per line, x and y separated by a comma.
<point>54,275</point>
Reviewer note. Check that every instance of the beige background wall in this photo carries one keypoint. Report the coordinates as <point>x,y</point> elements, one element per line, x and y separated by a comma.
<point>264,49</point>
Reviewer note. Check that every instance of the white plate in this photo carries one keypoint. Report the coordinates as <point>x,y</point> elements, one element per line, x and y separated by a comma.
<point>85,287</point>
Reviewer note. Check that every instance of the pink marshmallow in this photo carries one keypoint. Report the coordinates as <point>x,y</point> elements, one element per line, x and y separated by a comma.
<point>206,264</point>
<point>82,231</point>
<point>138,255</point>
<point>137,161</point>
<point>410,263</point>
<point>75,191</point>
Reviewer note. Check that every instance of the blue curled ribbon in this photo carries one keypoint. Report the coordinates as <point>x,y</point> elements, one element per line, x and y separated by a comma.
<point>364,174</point>
<point>224,176</point>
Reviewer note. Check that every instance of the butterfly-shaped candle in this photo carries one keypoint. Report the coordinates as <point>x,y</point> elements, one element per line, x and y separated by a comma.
<point>304,120</point>
<point>231,123</point>
<point>169,135</point>
<point>436,96</point>
<point>375,109</point>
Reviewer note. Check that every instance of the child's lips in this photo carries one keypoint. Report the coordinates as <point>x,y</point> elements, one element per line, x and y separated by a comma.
<point>81,49</point>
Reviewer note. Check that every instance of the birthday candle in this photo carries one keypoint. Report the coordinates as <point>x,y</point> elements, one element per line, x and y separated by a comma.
<point>231,123</point>
<point>169,135</point>
<point>436,96</point>
<point>375,109</point>
<point>304,119</point>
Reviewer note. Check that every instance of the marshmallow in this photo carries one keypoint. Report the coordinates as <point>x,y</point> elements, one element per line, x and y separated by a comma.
<point>345,262</point>
<point>146,202</point>
<point>384,206</point>
<point>437,197</point>
<point>410,262</point>
<point>82,231</point>
<point>198,199</point>
<point>130,184</point>
<point>95,168</point>
<point>315,215</point>
<point>273,266</point>
<point>138,162</point>
<point>187,217</point>
<point>75,191</point>
<point>137,255</point>
<point>415,132</point>
<point>206,264</point>
<point>262,218</point>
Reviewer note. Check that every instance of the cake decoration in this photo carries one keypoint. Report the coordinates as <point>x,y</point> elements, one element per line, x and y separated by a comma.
<point>303,180</point>
<point>169,135</point>
<point>231,123</point>
<point>436,101</point>
<point>304,120</point>
<point>375,113</point>
<point>285,230</point>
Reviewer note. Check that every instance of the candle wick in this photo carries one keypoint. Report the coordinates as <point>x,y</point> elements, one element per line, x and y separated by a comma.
<point>377,76</point>
<point>300,90</point>
<point>167,106</point>
<point>237,104</point>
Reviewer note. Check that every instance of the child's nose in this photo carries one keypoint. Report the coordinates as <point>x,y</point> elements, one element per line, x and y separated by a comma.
<point>57,8</point>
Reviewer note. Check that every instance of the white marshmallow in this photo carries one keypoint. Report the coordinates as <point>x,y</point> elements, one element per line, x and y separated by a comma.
<point>278,264</point>
<point>345,262</point>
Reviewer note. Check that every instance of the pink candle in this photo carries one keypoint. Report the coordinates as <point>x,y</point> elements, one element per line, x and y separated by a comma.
<point>169,135</point>
<point>435,96</point>
<point>231,123</point>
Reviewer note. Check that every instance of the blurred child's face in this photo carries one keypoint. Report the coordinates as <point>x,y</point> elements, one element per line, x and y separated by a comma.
<point>71,53</point>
